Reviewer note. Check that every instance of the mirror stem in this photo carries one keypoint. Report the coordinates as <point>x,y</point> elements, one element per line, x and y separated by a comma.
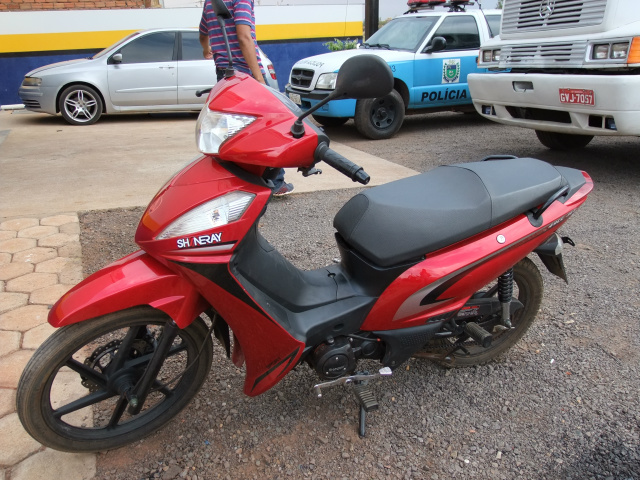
<point>229,72</point>
<point>297,129</point>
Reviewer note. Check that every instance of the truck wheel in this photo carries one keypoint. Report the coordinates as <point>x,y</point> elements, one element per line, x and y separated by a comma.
<point>378,118</point>
<point>563,141</point>
<point>330,121</point>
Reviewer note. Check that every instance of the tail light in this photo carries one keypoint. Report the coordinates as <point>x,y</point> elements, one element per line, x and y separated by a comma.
<point>272,72</point>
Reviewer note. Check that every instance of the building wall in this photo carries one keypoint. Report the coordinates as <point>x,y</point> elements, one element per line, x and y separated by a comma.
<point>31,5</point>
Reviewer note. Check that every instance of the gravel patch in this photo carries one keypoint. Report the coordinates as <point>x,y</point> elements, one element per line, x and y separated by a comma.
<point>562,404</point>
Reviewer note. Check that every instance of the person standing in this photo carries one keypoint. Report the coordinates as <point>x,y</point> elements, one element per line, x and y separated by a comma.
<point>241,32</point>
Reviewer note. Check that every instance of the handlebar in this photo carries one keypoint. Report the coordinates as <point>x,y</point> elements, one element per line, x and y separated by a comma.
<point>342,164</point>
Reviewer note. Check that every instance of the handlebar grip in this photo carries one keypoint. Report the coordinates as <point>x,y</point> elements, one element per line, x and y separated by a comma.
<point>342,164</point>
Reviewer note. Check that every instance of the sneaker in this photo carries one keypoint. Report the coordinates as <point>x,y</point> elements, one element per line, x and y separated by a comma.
<point>285,189</point>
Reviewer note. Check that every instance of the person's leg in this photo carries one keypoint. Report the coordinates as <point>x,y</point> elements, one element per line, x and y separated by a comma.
<point>280,187</point>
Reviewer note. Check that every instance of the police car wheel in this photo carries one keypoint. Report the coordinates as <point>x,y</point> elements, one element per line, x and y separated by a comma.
<point>378,118</point>
<point>330,121</point>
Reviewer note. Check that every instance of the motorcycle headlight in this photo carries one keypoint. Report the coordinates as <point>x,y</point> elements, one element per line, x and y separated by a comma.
<point>215,213</point>
<point>213,128</point>
<point>327,81</point>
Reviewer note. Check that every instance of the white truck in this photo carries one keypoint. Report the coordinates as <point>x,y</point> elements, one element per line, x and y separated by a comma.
<point>569,69</point>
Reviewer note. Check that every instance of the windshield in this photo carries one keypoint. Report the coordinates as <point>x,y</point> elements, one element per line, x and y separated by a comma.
<point>111,47</point>
<point>405,33</point>
<point>494,24</point>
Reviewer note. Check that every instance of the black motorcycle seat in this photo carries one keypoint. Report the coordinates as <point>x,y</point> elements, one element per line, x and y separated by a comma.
<point>406,219</point>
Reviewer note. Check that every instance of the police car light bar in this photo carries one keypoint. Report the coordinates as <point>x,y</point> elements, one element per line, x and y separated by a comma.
<point>452,4</point>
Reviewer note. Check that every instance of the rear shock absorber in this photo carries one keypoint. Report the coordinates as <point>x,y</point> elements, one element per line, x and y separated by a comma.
<point>505,293</point>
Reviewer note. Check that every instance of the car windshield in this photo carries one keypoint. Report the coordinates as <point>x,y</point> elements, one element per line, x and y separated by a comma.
<point>115,45</point>
<point>405,33</point>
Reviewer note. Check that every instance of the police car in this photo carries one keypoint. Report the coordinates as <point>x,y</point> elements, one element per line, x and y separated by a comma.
<point>431,49</point>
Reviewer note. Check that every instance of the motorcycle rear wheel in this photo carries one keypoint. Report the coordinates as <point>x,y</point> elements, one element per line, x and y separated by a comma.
<point>70,399</point>
<point>528,289</point>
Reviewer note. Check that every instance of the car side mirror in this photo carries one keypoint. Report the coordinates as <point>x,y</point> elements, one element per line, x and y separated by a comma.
<point>117,58</point>
<point>437,45</point>
<point>364,76</point>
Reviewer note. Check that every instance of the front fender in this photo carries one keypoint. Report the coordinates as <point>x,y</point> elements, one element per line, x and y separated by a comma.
<point>137,279</point>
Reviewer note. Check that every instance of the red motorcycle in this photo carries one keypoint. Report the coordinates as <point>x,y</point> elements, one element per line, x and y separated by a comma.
<point>433,266</point>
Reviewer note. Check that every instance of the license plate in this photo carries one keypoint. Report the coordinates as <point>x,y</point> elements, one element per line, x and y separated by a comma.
<point>578,96</point>
<point>295,98</point>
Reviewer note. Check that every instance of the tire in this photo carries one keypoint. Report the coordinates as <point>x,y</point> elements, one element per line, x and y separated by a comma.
<point>563,141</point>
<point>80,105</point>
<point>528,290</point>
<point>330,121</point>
<point>378,118</point>
<point>48,384</point>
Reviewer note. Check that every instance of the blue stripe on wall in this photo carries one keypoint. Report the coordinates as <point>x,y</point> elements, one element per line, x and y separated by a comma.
<point>14,68</point>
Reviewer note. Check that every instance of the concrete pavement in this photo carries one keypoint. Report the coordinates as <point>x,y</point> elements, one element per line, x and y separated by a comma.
<point>49,171</point>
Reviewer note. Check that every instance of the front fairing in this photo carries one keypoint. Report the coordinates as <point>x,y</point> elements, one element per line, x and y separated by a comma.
<point>267,142</point>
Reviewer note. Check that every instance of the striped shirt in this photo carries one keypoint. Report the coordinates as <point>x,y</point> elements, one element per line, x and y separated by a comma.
<point>242,14</point>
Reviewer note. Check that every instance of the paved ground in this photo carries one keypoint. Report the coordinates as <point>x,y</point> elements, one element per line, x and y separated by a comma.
<point>48,172</point>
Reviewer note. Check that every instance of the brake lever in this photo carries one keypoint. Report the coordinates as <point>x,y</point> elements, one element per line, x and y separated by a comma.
<point>307,172</point>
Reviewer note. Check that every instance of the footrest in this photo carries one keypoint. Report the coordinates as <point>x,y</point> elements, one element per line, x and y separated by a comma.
<point>366,397</point>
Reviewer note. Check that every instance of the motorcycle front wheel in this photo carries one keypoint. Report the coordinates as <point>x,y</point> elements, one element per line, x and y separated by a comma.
<point>528,289</point>
<point>71,394</point>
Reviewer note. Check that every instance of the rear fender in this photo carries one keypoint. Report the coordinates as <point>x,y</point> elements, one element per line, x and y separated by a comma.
<point>137,279</point>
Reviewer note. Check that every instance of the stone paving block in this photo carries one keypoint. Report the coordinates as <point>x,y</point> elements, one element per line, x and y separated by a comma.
<point>58,240</point>
<point>35,255</point>
<point>71,250</point>
<point>58,220</point>
<point>36,336</point>
<point>5,258</point>
<point>25,318</point>
<point>38,232</point>
<point>7,234</point>
<point>9,342</point>
<point>7,401</point>
<point>48,295</point>
<point>2,284</point>
<point>31,282</point>
<point>55,265</point>
<point>11,367</point>
<point>15,443</point>
<point>14,270</point>
<point>15,245</point>
<point>71,275</point>
<point>19,223</point>
<point>50,464</point>
<point>10,301</point>
<point>70,228</point>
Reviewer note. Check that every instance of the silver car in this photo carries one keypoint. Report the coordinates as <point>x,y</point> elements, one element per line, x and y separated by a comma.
<point>147,71</point>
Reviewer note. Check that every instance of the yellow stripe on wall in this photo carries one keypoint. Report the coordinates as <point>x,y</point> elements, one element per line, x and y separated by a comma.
<point>308,30</point>
<point>46,42</point>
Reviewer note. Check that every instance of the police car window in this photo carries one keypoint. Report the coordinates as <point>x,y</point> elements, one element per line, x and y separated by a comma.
<point>156,47</point>
<point>460,32</point>
<point>191,48</point>
<point>494,24</point>
<point>406,33</point>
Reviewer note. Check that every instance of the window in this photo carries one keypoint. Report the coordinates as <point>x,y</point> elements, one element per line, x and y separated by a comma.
<point>405,33</point>
<point>155,47</point>
<point>191,48</point>
<point>460,32</point>
<point>494,24</point>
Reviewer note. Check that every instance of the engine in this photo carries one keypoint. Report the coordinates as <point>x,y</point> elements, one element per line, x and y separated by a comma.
<point>337,357</point>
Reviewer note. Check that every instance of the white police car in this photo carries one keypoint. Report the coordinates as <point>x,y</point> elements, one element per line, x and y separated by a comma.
<point>431,49</point>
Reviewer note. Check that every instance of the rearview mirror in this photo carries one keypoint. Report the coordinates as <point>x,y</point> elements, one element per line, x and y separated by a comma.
<point>117,58</point>
<point>364,76</point>
<point>220,9</point>
<point>437,45</point>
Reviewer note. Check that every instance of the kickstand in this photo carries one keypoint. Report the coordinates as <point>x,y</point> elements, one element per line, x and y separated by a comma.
<point>368,403</point>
